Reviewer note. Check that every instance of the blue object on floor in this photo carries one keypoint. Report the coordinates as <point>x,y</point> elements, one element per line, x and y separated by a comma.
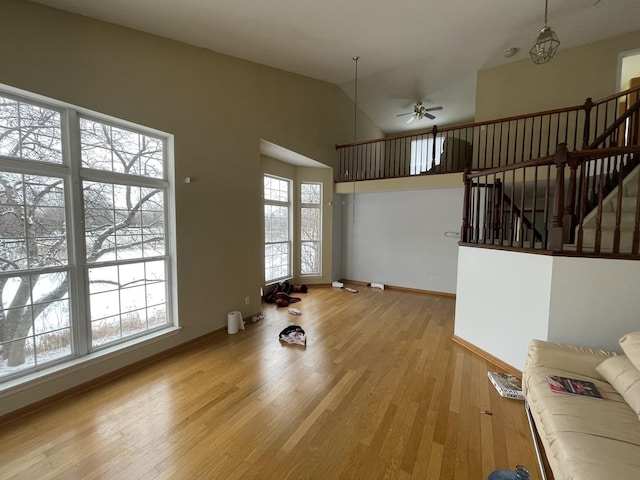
<point>520,473</point>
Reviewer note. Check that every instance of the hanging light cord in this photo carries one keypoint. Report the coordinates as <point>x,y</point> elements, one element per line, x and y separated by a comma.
<point>355,139</point>
<point>546,7</point>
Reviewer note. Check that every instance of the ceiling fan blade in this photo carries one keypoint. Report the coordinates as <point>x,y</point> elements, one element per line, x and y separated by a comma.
<point>432,109</point>
<point>403,114</point>
<point>411,119</point>
<point>428,115</point>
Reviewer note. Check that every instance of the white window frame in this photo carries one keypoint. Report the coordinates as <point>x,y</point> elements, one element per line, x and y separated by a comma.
<point>72,172</point>
<point>289,242</point>
<point>317,241</point>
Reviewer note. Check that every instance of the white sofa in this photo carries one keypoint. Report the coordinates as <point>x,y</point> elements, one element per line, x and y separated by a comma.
<point>587,438</point>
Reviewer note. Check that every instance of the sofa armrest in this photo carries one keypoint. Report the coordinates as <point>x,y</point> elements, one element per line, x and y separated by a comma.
<point>574,359</point>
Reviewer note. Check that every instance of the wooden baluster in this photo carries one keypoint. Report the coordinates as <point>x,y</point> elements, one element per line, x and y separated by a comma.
<point>616,231</point>
<point>493,145</point>
<point>523,211</point>
<point>547,195</point>
<point>569,219</point>
<point>534,207</point>
<point>575,131</point>
<point>486,208</point>
<point>464,233</point>
<point>476,218</point>
<point>496,213</point>
<point>434,134</point>
<point>598,239</point>
<point>583,204</point>
<point>511,226</point>
<point>636,229</point>
<point>634,122</point>
<point>556,233</point>
<point>588,105</point>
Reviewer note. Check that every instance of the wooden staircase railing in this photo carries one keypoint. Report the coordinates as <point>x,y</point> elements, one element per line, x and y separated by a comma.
<point>556,191</point>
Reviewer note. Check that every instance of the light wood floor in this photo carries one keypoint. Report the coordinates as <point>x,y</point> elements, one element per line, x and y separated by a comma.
<point>379,392</point>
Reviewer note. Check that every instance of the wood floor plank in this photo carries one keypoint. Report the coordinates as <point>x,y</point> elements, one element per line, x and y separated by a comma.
<point>379,392</point>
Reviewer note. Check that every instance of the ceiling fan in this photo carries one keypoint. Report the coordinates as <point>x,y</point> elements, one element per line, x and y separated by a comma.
<point>419,112</point>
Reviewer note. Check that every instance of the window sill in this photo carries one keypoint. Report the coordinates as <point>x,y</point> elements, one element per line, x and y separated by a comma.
<point>56,371</point>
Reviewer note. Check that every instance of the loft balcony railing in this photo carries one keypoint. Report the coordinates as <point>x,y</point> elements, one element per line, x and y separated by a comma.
<point>482,145</point>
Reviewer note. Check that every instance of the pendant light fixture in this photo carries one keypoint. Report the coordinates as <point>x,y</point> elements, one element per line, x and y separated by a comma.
<point>547,43</point>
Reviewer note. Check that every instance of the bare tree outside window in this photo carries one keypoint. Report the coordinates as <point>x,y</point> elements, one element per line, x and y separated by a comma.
<point>310,228</point>
<point>124,231</point>
<point>277,230</point>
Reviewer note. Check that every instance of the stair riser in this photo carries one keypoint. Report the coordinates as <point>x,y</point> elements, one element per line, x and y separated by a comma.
<point>627,221</point>
<point>628,205</point>
<point>606,240</point>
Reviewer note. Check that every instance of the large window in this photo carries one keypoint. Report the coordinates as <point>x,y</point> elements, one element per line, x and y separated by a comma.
<point>423,155</point>
<point>310,228</point>
<point>277,228</point>
<point>84,262</point>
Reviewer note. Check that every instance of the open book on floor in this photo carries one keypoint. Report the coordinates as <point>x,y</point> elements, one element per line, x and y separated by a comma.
<point>507,385</point>
<point>573,386</point>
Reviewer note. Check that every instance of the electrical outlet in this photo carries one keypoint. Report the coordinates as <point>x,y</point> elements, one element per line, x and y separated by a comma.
<point>246,300</point>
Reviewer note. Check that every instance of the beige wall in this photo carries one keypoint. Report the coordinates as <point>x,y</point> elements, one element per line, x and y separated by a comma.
<point>572,76</point>
<point>218,108</point>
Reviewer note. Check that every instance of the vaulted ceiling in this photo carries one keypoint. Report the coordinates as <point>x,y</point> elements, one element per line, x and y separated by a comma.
<point>410,50</point>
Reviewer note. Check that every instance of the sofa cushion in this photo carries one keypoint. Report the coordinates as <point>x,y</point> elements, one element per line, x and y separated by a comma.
<point>630,344</point>
<point>624,377</point>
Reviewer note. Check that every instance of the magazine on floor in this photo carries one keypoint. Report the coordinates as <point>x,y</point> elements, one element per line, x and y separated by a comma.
<point>507,385</point>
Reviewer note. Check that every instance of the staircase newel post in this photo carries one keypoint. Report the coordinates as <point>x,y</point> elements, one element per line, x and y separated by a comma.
<point>556,233</point>
<point>465,205</point>
<point>588,105</point>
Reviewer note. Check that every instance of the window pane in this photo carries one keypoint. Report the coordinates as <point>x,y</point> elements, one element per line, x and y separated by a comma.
<point>123,222</point>
<point>114,149</point>
<point>276,223</point>
<point>422,154</point>
<point>310,228</point>
<point>157,316</point>
<point>35,321</point>
<point>33,232</point>
<point>29,131</point>
<point>103,279</point>
<point>275,189</point>
<point>310,258</point>
<point>105,330</point>
<point>310,193</point>
<point>310,223</point>
<point>125,296</point>
<point>53,345</point>
<point>276,261</point>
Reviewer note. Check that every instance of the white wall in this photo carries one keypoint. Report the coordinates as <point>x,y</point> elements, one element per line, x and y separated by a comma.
<point>505,299</point>
<point>594,301</point>
<point>502,301</point>
<point>397,238</point>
